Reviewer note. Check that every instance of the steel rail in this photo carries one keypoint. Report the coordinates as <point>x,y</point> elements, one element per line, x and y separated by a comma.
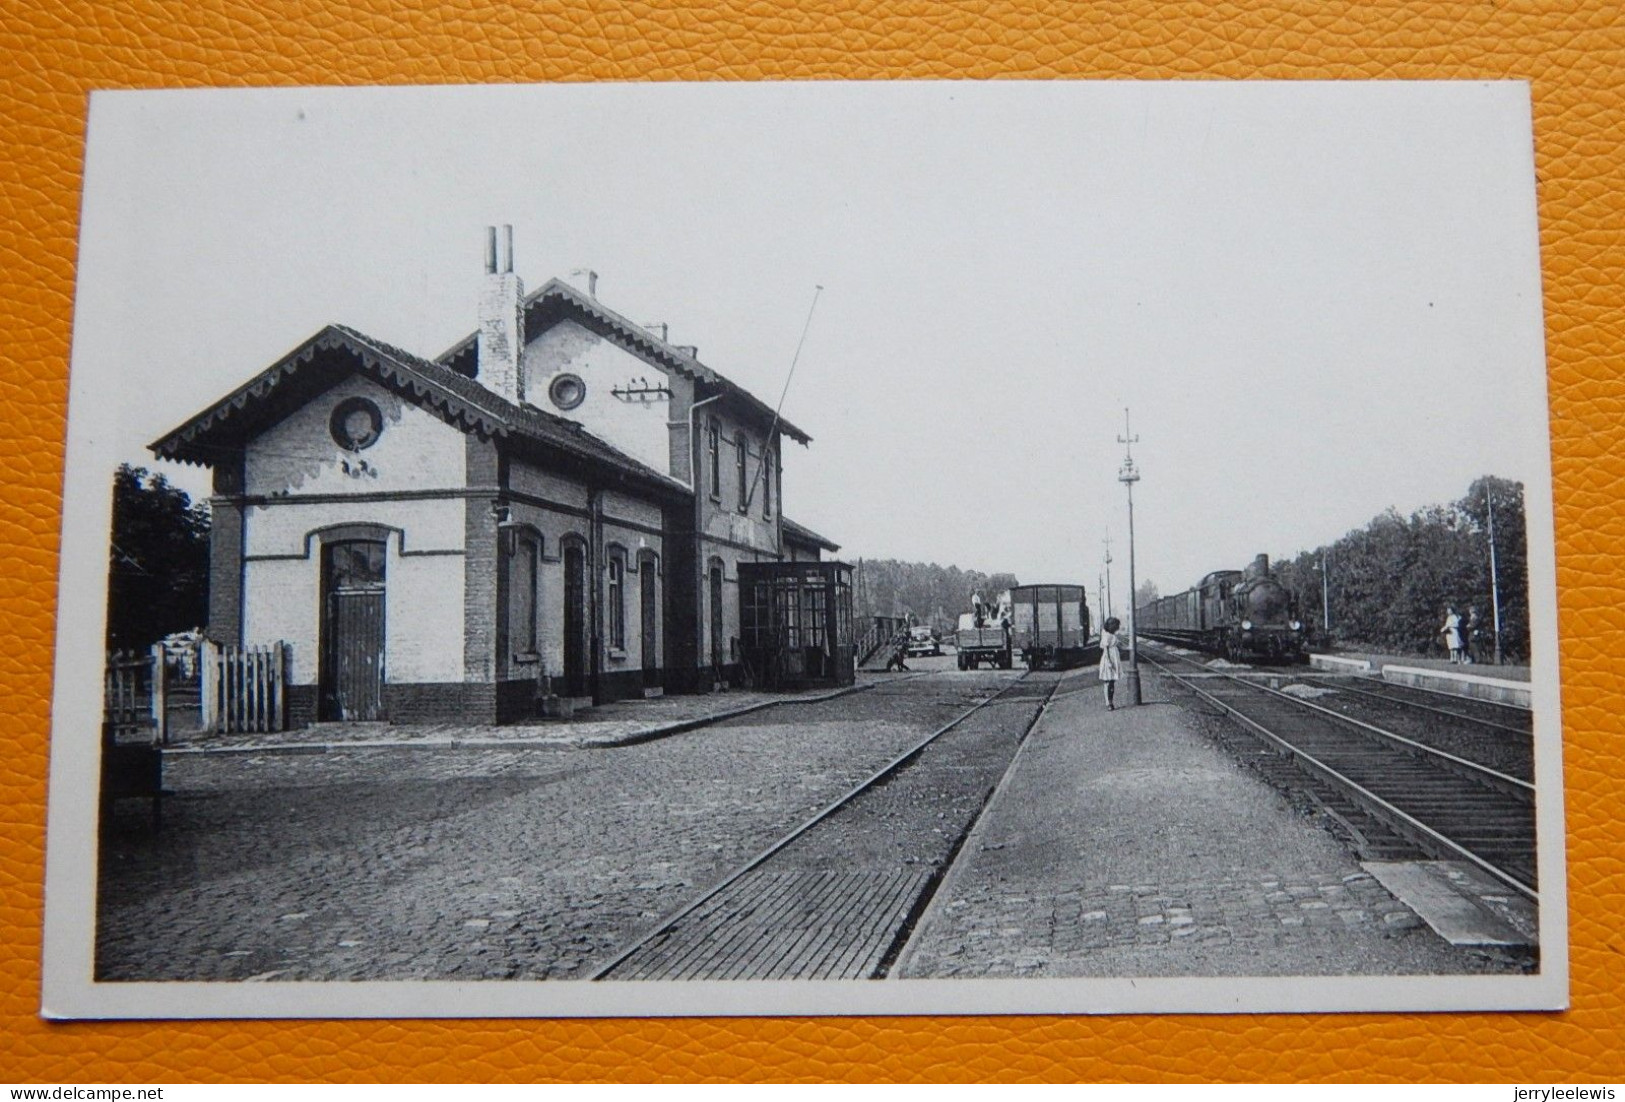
<point>925,908</point>
<point>1426,707</point>
<point>1495,778</point>
<point>1396,817</point>
<point>761,858</point>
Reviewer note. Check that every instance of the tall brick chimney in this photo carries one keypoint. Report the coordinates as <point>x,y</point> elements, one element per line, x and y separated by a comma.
<point>502,326</point>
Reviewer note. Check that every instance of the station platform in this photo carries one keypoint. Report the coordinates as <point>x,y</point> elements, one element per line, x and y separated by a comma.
<point>1499,684</point>
<point>1127,843</point>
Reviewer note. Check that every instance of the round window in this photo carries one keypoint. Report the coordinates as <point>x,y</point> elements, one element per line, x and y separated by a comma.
<point>356,424</point>
<point>567,391</point>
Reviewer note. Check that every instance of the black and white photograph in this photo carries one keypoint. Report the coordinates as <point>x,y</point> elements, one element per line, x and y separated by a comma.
<point>825,548</point>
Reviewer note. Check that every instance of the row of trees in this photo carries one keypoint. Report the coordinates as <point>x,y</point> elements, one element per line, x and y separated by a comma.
<point>158,560</point>
<point>1387,585</point>
<point>925,593</point>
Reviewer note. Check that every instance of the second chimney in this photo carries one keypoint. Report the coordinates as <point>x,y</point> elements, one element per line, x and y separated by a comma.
<point>502,324</point>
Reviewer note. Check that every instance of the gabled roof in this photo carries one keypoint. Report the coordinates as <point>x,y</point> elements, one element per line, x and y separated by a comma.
<point>556,295</point>
<point>796,533</point>
<point>325,358</point>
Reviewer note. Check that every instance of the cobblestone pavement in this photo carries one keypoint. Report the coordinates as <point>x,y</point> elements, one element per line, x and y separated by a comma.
<point>603,725</point>
<point>1125,844</point>
<point>456,862</point>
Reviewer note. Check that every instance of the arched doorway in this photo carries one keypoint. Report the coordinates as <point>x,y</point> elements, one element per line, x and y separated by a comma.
<point>575,620</point>
<point>718,655</point>
<point>649,618</point>
<point>351,673</point>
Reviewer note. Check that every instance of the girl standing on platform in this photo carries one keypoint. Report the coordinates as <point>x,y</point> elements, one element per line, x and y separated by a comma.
<point>1111,659</point>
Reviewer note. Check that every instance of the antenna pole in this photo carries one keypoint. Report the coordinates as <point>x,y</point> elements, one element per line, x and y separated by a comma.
<point>767,446</point>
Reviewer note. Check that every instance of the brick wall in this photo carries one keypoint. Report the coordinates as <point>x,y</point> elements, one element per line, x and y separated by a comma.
<point>440,702</point>
<point>225,572</point>
<point>483,612</point>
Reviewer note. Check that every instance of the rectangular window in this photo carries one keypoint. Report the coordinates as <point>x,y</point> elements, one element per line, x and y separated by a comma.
<point>814,615</point>
<point>741,450</point>
<point>755,623</point>
<point>617,602</point>
<point>789,615</point>
<point>769,476</point>
<point>714,453</point>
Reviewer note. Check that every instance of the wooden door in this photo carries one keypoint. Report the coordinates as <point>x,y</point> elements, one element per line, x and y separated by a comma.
<point>648,621</point>
<point>717,652</point>
<point>352,665</point>
<point>575,620</point>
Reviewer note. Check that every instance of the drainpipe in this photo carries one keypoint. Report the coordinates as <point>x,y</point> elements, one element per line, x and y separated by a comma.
<point>701,587</point>
<point>595,591</point>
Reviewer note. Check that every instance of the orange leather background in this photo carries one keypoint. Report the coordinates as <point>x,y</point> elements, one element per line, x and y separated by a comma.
<point>53,53</point>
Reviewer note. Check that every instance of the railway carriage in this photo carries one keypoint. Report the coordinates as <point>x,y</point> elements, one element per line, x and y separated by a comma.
<point>1049,625</point>
<point>1240,614</point>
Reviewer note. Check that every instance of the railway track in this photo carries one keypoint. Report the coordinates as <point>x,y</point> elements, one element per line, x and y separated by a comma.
<point>1511,718</point>
<point>1449,807</point>
<point>838,896</point>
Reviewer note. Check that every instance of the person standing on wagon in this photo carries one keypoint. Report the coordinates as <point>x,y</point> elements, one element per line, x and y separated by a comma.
<point>1111,660</point>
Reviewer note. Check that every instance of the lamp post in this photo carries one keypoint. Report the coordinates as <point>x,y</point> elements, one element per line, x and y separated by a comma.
<point>1106,603</point>
<point>1128,475</point>
<point>1495,584</point>
<point>1325,597</point>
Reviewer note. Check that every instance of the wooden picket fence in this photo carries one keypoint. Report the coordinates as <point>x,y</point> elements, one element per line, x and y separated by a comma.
<point>244,689</point>
<point>134,703</point>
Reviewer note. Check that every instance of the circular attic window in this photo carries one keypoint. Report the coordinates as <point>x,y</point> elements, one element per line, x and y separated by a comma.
<point>567,391</point>
<point>356,424</point>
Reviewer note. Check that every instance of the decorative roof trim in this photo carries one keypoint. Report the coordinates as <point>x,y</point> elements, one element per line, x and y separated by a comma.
<point>388,364</point>
<point>478,410</point>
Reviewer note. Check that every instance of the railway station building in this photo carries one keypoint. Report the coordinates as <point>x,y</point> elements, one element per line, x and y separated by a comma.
<point>559,505</point>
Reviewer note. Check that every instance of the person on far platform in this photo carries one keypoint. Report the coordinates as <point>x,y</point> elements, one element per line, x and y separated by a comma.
<point>1472,637</point>
<point>1452,634</point>
<point>1111,660</point>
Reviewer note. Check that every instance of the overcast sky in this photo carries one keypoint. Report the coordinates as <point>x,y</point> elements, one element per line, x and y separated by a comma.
<point>1320,300</point>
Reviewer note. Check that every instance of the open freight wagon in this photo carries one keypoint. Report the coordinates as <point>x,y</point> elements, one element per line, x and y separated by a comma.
<point>1049,626</point>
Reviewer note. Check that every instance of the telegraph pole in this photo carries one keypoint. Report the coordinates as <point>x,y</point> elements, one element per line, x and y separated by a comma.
<point>1128,475</point>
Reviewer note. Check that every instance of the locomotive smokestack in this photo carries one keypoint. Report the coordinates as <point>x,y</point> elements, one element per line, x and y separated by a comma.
<point>1259,567</point>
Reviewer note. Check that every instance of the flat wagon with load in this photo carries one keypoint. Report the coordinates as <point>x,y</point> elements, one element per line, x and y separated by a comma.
<point>982,639</point>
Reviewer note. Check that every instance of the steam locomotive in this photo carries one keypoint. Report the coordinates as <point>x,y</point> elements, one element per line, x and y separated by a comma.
<point>1240,614</point>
